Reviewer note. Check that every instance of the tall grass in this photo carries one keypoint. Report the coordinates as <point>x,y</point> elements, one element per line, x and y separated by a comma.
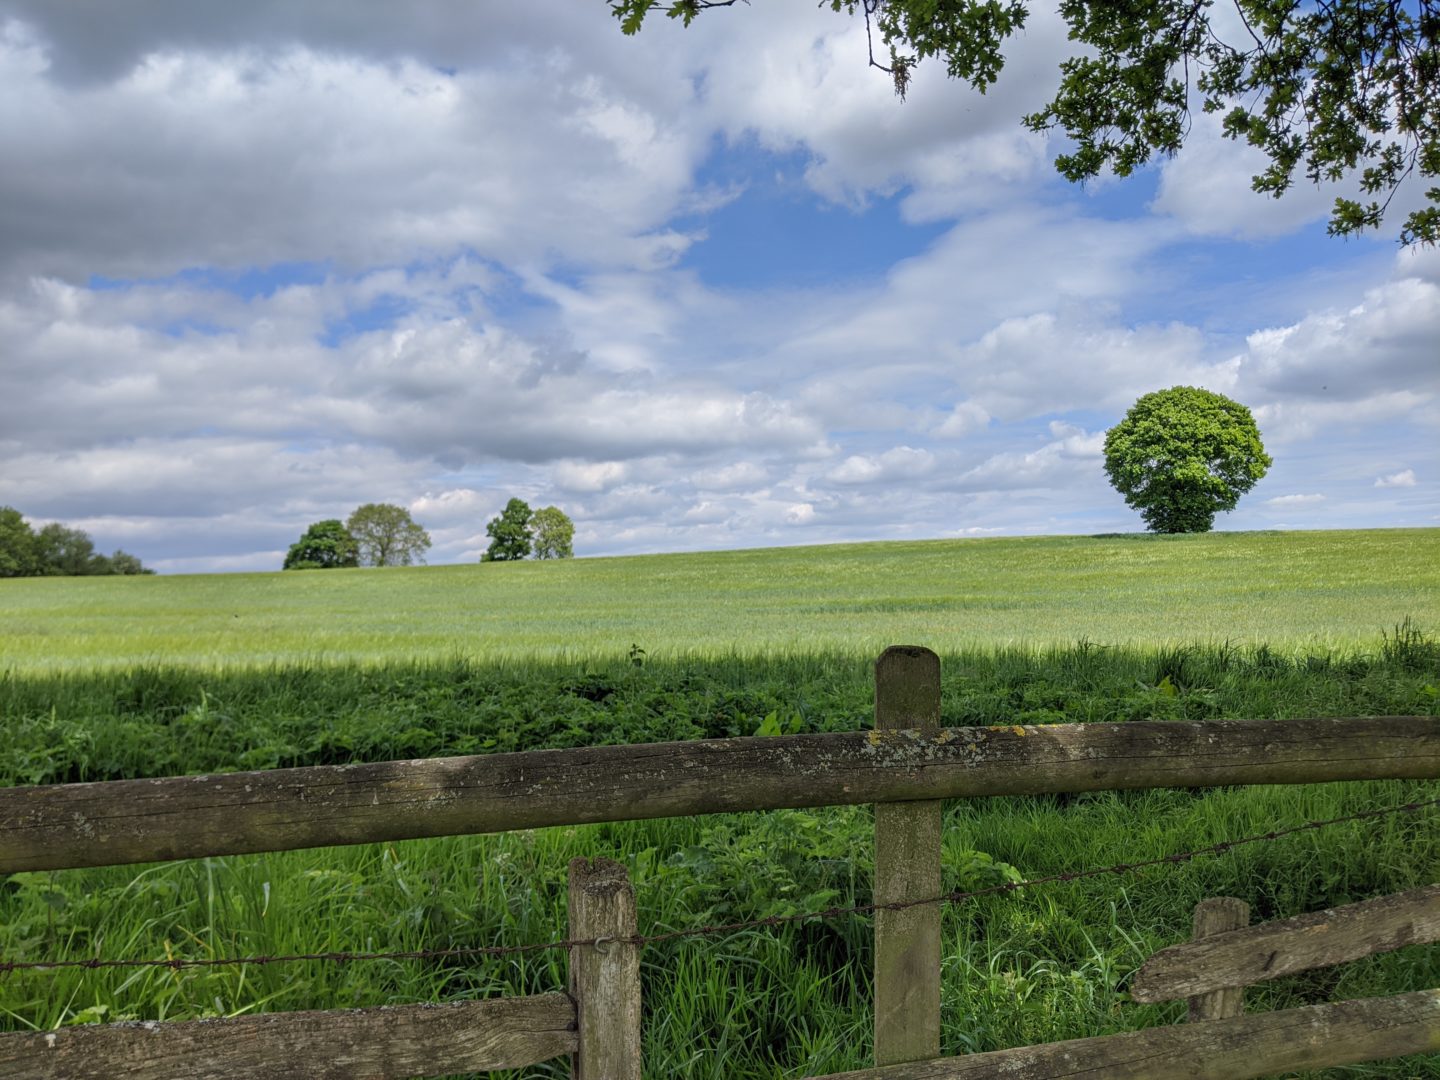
<point>155,721</point>
<point>1032,966</point>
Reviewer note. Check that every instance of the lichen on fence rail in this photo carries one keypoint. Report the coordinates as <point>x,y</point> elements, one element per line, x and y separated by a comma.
<point>129,821</point>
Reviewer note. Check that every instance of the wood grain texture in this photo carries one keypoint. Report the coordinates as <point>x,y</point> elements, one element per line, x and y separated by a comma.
<point>1283,947</point>
<point>1216,915</point>
<point>907,867</point>
<point>604,978</point>
<point>129,821</point>
<point>1245,1047</point>
<point>390,1043</point>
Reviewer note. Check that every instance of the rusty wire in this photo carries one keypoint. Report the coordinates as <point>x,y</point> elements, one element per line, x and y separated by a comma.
<point>955,896</point>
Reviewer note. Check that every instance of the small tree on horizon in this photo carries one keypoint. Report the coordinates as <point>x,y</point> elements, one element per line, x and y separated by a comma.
<point>386,535</point>
<point>326,545</point>
<point>554,533</point>
<point>509,533</point>
<point>125,564</point>
<point>1181,455</point>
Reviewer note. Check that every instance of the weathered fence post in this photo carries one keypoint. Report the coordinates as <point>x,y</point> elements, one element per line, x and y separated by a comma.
<point>907,867</point>
<point>1215,916</point>
<point>605,977</point>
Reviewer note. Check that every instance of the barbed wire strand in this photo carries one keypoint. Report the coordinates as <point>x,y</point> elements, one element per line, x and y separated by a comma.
<point>831,913</point>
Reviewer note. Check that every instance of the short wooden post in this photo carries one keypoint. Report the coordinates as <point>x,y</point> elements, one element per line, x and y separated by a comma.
<point>605,977</point>
<point>1215,916</point>
<point>907,867</point>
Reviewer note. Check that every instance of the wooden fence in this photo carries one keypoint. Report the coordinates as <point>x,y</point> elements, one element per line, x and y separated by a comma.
<point>1222,1043</point>
<point>906,766</point>
<point>597,1023</point>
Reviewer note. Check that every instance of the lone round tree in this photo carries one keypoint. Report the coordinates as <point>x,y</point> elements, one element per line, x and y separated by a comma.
<point>1183,454</point>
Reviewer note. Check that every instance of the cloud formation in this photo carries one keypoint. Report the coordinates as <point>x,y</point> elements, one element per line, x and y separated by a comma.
<point>261,263</point>
<point>1403,479</point>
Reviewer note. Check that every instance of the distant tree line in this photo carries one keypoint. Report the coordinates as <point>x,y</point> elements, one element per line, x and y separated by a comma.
<point>520,533</point>
<point>376,534</point>
<point>55,551</point>
<point>382,534</point>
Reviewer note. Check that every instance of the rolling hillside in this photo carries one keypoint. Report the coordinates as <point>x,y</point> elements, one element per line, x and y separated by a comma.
<point>1290,590</point>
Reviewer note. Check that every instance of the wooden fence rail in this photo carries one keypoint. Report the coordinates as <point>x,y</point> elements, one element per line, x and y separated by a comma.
<point>1212,970</point>
<point>597,1023</point>
<point>1264,1044</point>
<point>388,1043</point>
<point>129,821</point>
<point>1252,954</point>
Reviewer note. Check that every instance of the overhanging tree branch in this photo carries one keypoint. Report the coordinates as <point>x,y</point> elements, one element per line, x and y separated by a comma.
<point>1338,90</point>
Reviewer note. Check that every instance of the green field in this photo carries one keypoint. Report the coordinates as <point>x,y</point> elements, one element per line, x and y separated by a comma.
<point>112,678</point>
<point>1322,589</point>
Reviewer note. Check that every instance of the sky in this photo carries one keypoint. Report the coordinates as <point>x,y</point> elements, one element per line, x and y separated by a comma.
<point>701,289</point>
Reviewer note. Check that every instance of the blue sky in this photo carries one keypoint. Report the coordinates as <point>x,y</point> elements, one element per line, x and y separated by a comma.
<point>702,289</point>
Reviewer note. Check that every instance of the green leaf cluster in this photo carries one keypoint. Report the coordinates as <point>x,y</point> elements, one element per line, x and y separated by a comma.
<point>1341,90</point>
<point>631,13</point>
<point>375,534</point>
<point>385,535</point>
<point>509,533</point>
<point>1182,455</point>
<point>1336,90</point>
<point>554,533</point>
<point>326,545</point>
<point>519,533</point>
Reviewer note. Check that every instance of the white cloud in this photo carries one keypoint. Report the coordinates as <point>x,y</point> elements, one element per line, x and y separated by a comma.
<point>1403,478</point>
<point>448,507</point>
<point>798,80</point>
<point>201,477</point>
<point>1046,362</point>
<point>445,390</point>
<point>296,153</point>
<point>706,512</point>
<point>1206,186</point>
<point>1294,500</point>
<point>1418,261</point>
<point>1291,421</point>
<point>1385,342</point>
<point>736,476</point>
<point>625,503</point>
<point>897,463</point>
<point>964,419</point>
<point>1071,454</point>
<point>587,477</point>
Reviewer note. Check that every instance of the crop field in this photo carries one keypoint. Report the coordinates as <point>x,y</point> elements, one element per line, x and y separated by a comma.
<point>111,678</point>
<point>1286,590</point>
